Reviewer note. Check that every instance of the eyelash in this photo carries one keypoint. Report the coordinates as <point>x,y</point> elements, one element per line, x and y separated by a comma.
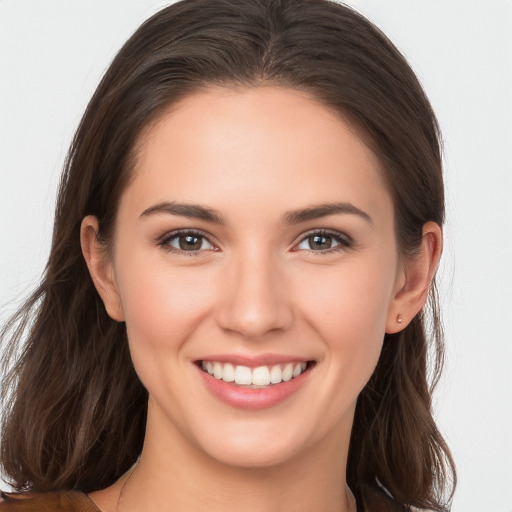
<point>343,240</point>
<point>166,240</point>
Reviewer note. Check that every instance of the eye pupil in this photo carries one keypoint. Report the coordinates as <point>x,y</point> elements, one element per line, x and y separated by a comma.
<point>320,242</point>
<point>190,242</point>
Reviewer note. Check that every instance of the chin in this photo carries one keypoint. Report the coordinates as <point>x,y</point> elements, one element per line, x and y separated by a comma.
<point>253,456</point>
<point>260,444</point>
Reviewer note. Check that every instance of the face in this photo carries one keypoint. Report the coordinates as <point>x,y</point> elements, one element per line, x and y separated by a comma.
<point>255,265</point>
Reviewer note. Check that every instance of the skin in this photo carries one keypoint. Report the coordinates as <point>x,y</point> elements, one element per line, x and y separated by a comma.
<point>256,286</point>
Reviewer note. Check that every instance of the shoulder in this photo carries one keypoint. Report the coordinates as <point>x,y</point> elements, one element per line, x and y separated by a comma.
<point>66,501</point>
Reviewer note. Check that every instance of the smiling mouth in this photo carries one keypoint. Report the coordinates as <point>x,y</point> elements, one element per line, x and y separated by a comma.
<point>261,376</point>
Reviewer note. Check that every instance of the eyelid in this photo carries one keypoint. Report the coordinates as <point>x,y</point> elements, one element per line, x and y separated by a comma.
<point>344,240</point>
<point>164,240</point>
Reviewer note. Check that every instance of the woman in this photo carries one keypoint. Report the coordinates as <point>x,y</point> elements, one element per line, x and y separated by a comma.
<point>246,235</point>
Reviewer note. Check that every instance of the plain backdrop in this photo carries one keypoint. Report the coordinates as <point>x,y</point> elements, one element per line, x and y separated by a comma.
<point>52,55</point>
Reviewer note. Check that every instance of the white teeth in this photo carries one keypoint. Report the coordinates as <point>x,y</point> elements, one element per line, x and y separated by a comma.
<point>243,375</point>
<point>228,374</point>
<point>297,370</point>
<point>217,370</point>
<point>288,372</point>
<point>260,376</point>
<point>276,374</point>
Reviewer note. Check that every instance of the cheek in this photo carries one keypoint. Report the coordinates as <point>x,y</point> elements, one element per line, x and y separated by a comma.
<point>163,307</point>
<point>349,313</point>
<point>162,304</point>
<point>354,299</point>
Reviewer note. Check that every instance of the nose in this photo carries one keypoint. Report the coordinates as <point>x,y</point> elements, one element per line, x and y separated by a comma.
<point>255,299</point>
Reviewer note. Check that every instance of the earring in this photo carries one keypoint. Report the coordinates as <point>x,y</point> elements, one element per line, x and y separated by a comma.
<point>399,319</point>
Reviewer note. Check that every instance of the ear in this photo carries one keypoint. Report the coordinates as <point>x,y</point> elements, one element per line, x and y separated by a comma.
<point>100,267</point>
<point>414,280</point>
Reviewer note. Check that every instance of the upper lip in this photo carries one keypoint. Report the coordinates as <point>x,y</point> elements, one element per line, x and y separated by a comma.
<point>253,361</point>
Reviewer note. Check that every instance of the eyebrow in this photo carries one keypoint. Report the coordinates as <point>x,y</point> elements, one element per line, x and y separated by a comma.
<point>193,211</point>
<point>196,211</point>
<point>323,210</point>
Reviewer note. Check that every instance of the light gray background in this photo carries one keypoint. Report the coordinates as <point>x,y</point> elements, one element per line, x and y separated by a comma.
<point>53,53</point>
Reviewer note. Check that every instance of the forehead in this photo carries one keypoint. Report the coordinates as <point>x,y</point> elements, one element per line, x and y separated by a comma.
<point>269,144</point>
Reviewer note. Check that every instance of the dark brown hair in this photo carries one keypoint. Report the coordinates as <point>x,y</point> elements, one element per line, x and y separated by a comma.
<point>75,410</point>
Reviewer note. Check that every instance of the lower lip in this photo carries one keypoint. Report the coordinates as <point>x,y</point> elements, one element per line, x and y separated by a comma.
<point>252,398</point>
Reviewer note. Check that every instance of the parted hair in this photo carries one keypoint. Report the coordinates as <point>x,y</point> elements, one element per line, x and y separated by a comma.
<point>74,408</point>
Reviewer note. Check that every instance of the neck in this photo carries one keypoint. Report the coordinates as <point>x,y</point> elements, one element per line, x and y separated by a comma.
<point>173,475</point>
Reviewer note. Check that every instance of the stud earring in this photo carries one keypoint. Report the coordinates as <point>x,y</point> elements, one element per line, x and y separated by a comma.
<point>399,319</point>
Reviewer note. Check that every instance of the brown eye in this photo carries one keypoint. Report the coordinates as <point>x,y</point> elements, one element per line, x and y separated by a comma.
<point>190,242</point>
<point>187,242</point>
<point>320,242</point>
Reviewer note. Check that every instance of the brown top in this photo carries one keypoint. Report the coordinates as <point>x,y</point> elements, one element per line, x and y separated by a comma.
<point>66,501</point>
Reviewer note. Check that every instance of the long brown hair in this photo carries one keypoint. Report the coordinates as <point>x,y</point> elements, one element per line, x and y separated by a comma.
<point>75,410</point>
